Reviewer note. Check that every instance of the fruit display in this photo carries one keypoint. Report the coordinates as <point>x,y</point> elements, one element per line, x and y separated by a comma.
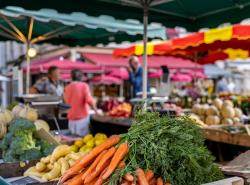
<point>20,143</point>
<point>108,105</point>
<point>220,112</point>
<point>123,110</point>
<point>88,142</point>
<point>156,150</point>
<point>51,167</point>
<point>174,107</point>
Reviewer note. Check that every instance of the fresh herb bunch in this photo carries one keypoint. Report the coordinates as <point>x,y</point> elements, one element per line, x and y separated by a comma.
<point>172,147</point>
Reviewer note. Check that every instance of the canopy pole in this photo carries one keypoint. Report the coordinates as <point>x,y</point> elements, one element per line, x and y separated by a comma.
<point>27,68</point>
<point>145,58</point>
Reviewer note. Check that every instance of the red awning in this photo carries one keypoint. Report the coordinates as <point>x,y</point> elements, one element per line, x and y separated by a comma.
<point>153,61</point>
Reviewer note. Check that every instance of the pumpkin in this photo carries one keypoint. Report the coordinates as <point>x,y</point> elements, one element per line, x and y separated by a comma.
<point>5,117</point>
<point>196,108</point>
<point>16,110</point>
<point>227,103</point>
<point>238,112</point>
<point>236,120</point>
<point>212,110</point>
<point>212,120</point>
<point>41,124</point>
<point>228,112</point>
<point>29,113</point>
<point>227,121</point>
<point>218,103</point>
<point>3,130</point>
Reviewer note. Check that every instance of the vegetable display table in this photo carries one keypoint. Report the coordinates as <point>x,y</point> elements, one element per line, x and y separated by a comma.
<point>219,135</point>
<point>110,125</point>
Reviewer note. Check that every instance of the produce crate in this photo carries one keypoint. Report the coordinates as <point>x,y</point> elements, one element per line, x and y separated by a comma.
<point>219,135</point>
<point>229,181</point>
<point>8,170</point>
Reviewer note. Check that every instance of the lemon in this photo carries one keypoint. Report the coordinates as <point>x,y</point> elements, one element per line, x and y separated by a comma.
<point>87,138</point>
<point>78,143</point>
<point>74,148</point>
<point>100,136</point>
<point>90,143</point>
<point>98,142</point>
<point>85,149</point>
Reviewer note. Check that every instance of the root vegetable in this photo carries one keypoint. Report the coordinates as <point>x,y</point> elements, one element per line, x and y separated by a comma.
<point>64,165</point>
<point>141,177</point>
<point>33,172</point>
<point>59,151</point>
<point>55,172</point>
<point>40,166</point>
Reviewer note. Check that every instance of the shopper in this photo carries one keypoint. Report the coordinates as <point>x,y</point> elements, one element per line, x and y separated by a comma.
<point>221,85</point>
<point>50,84</point>
<point>135,75</point>
<point>78,96</point>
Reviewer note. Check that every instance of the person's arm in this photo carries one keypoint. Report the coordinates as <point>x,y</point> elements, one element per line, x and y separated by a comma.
<point>33,90</point>
<point>90,100</point>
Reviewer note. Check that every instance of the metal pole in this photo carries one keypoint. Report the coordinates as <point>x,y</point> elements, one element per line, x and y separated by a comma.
<point>145,59</point>
<point>27,68</point>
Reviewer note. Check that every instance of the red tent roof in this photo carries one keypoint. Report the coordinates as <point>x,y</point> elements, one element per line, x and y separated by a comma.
<point>153,61</point>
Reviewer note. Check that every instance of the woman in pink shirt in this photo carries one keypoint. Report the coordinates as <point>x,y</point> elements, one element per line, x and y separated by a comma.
<point>78,96</point>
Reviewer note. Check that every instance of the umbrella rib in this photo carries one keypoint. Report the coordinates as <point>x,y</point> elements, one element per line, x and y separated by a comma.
<point>9,36</point>
<point>11,33</point>
<point>221,10</point>
<point>30,29</point>
<point>14,28</point>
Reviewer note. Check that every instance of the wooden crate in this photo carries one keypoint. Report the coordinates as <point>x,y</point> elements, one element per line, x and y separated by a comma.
<point>222,136</point>
<point>229,181</point>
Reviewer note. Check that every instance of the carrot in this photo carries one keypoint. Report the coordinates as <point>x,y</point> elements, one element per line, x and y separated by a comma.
<point>159,181</point>
<point>152,181</point>
<point>149,175</point>
<point>95,173</point>
<point>77,180</point>
<point>85,160</point>
<point>167,183</point>
<point>93,165</point>
<point>118,156</point>
<point>121,164</point>
<point>128,177</point>
<point>141,177</point>
<point>109,154</point>
<point>92,182</point>
<point>125,183</point>
<point>100,180</point>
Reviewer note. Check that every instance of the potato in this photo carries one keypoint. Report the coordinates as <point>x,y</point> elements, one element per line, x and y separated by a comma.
<point>74,156</point>
<point>50,166</point>
<point>60,151</point>
<point>71,162</point>
<point>40,166</point>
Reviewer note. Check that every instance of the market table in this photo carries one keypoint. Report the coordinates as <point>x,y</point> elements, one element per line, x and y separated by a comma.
<point>219,135</point>
<point>109,125</point>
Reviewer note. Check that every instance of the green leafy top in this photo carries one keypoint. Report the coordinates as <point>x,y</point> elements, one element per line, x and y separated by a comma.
<point>172,147</point>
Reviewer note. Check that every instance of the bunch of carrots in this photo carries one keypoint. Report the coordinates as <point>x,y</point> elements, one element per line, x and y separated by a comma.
<point>98,165</point>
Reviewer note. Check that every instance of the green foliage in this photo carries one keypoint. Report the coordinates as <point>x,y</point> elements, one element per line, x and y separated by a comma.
<point>172,147</point>
<point>20,144</point>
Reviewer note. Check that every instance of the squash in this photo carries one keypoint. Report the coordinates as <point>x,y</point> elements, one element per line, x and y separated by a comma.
<point>5,116</point>
<point>236,120</point>
<point>238,112</point>
<point>29,113</point>
<point>16,110</point>
<point>227,103</point>
<point>227,121</point>
<point>41,124</point>
<point>212,110</point>
<point>212,120</point>
<point>228,112</point>
<point>3,130</point>
<point>218,103</point>
<point>196,108</point>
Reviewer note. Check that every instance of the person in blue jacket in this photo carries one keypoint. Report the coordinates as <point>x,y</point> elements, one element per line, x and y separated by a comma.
<point>135,75</point>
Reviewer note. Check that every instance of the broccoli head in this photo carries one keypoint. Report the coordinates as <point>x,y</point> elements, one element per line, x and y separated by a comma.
<point>9,156</point>
<point>8,138</point>
<point>31,154</point>
<point>21,126</point>
<point>46,147</point>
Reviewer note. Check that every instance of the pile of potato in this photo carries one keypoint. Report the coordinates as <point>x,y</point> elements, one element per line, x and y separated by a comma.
<point>220,112</point>
<point>53,166</point>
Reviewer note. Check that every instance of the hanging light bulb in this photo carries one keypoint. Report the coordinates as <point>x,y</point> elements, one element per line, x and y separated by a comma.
<point>32,52</point>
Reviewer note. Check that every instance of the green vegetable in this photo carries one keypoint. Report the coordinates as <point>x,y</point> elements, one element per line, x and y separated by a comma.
<point>172,147</point>
<point>20,144</point>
